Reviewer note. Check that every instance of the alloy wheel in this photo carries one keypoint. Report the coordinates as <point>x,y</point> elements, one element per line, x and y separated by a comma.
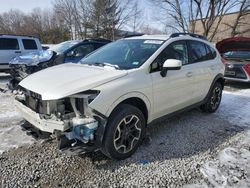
<point>216,97</point>
<point>127,134</point>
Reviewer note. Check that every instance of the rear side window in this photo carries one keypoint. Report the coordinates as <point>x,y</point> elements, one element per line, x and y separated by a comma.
<point>29,44</point>
<point>8,44</point>
<point>198,51</point>
<point>201,52</point>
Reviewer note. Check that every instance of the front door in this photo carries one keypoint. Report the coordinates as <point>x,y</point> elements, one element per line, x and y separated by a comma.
<point>176,90</point>
<point>9,48</point>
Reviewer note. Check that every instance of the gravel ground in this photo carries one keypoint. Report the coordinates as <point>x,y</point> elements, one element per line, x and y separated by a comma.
<point>192,149</point>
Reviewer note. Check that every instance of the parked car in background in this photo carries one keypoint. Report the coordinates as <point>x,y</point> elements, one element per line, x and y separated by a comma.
<point>106,101</point>
<point>14,45</point>
<point>65,52</point>
<point>236,54</point>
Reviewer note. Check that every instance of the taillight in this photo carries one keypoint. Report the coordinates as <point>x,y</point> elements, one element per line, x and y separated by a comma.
<point>223,61</point>
<point>247,68</point>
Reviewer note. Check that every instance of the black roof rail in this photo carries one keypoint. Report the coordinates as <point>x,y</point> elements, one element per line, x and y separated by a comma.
<point>2,34</point>
<point>133,35</point>
<point>190,34</point>
<point>98,40</point>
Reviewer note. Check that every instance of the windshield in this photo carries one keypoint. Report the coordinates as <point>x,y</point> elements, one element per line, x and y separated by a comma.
<point>124,54</point>
<point>62,47</point>
<point>237,54</point>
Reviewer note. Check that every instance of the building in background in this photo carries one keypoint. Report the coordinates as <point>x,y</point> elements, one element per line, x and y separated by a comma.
<point>227,27</point>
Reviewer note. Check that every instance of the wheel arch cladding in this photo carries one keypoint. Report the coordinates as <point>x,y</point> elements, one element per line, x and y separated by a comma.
<point>135,99</point>
<point>138,103</point>
<point>219,78</point>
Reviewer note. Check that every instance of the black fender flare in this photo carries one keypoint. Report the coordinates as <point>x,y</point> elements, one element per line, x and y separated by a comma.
<point>220,78</point>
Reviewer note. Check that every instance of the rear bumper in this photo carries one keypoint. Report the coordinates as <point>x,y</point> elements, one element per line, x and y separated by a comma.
<point>45,125</point>
<point>237,79</point>
<point>246,79</point>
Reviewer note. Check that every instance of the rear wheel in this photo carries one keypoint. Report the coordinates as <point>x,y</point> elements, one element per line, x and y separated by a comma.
<point>125,132</point>
<point>214,99</point>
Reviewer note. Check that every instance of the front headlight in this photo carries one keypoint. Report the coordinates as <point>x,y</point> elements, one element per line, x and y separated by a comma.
<point>90,95</point>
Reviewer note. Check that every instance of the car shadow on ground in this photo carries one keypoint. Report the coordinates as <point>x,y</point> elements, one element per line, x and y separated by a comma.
<point>235,86</point>
<point>184,135</point>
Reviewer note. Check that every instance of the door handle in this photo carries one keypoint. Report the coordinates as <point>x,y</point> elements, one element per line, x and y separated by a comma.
<point>17,52</point>
<point>189,74</point>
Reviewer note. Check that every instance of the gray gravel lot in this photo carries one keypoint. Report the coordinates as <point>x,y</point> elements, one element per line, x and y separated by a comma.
<point>179,152</point>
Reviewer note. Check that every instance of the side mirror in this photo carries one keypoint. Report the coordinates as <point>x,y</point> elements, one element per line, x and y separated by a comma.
<point>170,64</point>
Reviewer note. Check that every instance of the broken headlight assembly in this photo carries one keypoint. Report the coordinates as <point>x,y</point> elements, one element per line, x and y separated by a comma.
<point>83,124</point>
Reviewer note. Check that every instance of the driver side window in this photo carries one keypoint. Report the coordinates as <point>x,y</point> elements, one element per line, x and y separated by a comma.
<point>176,50</point>
<point>81,51</point>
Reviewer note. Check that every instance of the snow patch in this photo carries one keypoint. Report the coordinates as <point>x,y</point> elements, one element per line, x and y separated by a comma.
<point>11,135</point>
<point>235,107</point>
<point>231,168</point>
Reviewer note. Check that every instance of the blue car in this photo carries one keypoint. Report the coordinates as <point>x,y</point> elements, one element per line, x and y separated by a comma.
<point>65,52</point>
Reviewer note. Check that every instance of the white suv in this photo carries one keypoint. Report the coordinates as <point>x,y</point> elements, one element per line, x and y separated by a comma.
<point>108,99</point>
<point>13,45</point>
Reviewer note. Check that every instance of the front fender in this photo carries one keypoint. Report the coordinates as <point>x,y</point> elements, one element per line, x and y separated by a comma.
<point>139,95</point>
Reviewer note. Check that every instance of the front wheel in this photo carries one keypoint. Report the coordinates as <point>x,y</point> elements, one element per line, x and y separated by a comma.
<point>214,99</point>
<point>125,132</point>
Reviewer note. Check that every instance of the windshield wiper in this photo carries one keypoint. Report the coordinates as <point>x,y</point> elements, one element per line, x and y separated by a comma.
<point>105,64</point>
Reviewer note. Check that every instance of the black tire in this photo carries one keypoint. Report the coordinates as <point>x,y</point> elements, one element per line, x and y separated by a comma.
<point>126,127</point>
<point>214,99</point>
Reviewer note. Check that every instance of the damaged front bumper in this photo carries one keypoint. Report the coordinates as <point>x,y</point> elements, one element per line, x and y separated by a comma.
<point>46,125</point>
<point>76,134</point>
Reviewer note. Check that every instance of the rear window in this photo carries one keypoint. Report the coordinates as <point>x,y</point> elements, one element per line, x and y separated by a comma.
<point>29,44</point>
<point>237,54</point>
<point>8,44</point>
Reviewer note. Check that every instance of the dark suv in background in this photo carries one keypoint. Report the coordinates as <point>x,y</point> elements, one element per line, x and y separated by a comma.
<point>65,52</point>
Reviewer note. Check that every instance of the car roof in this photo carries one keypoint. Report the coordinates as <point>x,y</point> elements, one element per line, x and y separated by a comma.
<point>17,36</point>
<point>166,37</point>
<point>151,37</point>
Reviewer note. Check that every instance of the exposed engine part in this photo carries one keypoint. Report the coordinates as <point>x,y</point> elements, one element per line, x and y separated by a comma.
<point>65,145</point>
<point>82,129</point>
<point>73,104</point>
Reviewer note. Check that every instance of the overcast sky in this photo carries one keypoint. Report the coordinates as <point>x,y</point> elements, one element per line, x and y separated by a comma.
<point>24,5</point>
<point>27,5</point>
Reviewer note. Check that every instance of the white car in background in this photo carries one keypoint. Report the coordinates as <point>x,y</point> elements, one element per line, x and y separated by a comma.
<point>14,45</point>
<point>107,100</point>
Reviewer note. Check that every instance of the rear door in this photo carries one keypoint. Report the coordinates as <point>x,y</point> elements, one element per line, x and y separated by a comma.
<point>9,48</point>
<point>29,45</point>
<point>203,57</point>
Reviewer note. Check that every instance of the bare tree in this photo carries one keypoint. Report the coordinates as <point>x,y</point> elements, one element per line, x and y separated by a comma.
<point>43,24</point>
<point>149,30</point>
<point>136,21</point>
<point>186,13</point>
<point>65,8</point>
<point>244,9</point>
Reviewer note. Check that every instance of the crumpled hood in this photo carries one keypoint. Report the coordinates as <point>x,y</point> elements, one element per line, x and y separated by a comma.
<point>68,79</point>
<point>33,58</point>
<point>233,44</point>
